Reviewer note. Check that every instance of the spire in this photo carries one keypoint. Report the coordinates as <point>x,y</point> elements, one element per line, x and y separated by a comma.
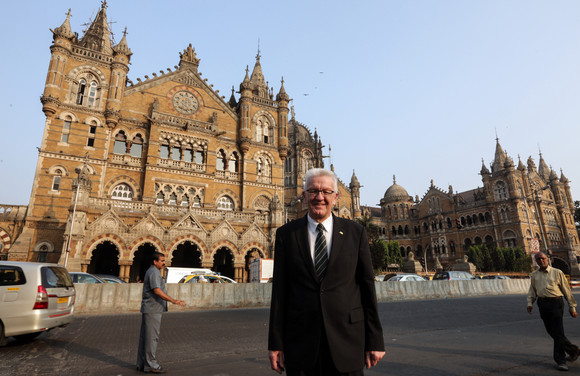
<point>563,179</point>
<point>122,47</point>
<point>531,165</point>
<point>354,181</point>
<point>521,166</point>
<point>98,36</point>
<point>499,160</point>
<point>232,102</point>
<point>257,78</point>
<point>543,170</point>
<point>484,170</point>
<point>553,175</point>
<point>64,30</point>
<point>246,83</point>
<point>282,95</point>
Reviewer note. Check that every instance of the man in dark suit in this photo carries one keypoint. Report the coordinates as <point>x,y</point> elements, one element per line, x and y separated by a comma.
<point>323,314</point>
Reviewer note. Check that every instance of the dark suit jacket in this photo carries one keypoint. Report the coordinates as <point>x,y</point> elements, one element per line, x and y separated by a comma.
<point>344,304</point>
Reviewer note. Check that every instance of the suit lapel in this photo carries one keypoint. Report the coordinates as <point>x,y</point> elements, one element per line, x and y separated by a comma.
<point>304,246</point>
<point>338,229</point>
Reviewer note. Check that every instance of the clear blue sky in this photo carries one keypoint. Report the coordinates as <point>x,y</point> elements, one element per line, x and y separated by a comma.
<point>416,89</point>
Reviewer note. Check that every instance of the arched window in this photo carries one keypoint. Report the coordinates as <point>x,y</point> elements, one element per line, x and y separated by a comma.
<point>500,191</point>
<point>172,199</point>
<point>160,198</point>
<point>184,200</point>
<point>198,155</point>
<point>92,94</point>
<point>188,154</point>
<point>225,203</point>
<point>233,166</point>
<point>56,180</point>
<point>122,192</point>
<point>176,153</point>
<point>509,238</point>
<point>120,146</point>
<point>137,146</point>
<point>221,161</point>
<point>164,150</point>
<point>81,91</point>
<point>196,202</point>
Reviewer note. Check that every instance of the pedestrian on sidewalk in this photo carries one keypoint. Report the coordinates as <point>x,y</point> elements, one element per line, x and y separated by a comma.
<point>153,304</point>
<point>550,287</point>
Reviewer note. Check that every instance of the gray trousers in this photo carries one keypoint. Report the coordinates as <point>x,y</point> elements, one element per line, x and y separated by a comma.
<point>148,340</point>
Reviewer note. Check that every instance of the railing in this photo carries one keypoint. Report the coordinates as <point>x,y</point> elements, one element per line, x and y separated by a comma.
<point>162,209</point>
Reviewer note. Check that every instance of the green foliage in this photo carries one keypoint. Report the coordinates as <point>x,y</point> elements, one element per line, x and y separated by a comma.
<point>499,259</point>
<point>577,215</point>
<point>385,253</point>
<point>373,231</point>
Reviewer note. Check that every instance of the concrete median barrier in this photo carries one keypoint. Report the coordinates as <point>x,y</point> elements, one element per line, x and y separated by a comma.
<point>121,298</point>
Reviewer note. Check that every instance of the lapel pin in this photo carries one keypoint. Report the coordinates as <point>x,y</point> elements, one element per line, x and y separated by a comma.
<point>340,232</point>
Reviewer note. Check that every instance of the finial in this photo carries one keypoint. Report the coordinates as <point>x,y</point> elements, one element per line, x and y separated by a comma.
<point>247,69</point>
<point>125,32</point>
<point>258,55</point>
<point>104,6</point>
<point>394,179</point>
<point>68,14</point>
<point>282,80</point>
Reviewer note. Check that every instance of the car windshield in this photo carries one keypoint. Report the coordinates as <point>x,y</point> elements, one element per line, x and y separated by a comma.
<point>54,276</point>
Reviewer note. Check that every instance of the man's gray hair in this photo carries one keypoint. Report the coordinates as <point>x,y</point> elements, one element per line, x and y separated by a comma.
<point>316,172</point>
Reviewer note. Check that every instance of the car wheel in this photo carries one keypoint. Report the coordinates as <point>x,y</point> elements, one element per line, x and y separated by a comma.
<point>2,337</point>
<point>27,337</point>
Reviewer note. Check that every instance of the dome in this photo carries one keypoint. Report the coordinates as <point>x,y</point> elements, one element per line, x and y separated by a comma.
<point>396,193</point>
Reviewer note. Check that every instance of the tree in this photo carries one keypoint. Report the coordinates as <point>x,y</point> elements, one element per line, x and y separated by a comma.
<point>385,253</point>
<point>373,231</point>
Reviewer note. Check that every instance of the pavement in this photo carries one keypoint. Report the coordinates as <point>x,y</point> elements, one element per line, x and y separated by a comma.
<point>448,337</point>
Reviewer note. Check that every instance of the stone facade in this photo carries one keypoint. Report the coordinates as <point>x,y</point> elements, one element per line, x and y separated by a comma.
<point>518,206</point>
<point>165,163</point>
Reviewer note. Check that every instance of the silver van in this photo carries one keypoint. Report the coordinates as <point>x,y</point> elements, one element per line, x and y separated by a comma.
<point>34,297</point>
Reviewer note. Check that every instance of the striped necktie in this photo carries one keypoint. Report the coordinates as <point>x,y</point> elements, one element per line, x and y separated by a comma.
<point>320,252</point>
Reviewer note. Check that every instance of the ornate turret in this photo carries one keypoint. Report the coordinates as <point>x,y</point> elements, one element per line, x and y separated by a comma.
<point>232,102</point>
<point>282,98</point>
<point>484,170</point>
<point>122,48</point>
<point>98,36</point>
<point>355,192</point>
<point>257,80</point>
<point>64,30</point>
<point>531,165</point>
<point>521,166</point>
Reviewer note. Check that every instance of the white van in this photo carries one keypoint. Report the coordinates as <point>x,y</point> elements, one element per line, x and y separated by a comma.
<point>34,297</point>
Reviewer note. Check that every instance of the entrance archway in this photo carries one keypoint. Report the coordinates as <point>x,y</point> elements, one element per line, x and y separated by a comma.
<point>187,255</point>
<point>105,260</point>
<point>559,263</point>
<point>142,260</point>
<point>223,262</point>
<point>252,254</point>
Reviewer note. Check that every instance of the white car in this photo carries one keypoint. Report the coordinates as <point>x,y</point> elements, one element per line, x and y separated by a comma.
<point>34,297</point>
<point>404,277</point>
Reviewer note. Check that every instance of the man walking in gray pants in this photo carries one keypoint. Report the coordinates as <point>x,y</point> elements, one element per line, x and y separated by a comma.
<point>153,304</point>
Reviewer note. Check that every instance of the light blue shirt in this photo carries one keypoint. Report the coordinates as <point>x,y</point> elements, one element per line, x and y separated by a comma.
<point>151,302</point>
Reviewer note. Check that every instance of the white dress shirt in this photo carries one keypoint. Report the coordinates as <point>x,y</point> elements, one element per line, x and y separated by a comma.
<point>328,224</point>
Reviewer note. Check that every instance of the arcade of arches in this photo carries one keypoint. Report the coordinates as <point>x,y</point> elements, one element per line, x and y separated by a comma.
<point>105,259</point>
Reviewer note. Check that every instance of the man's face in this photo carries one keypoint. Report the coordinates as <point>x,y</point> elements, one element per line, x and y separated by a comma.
<point>542,261</point>
<point>321,197</point>
<point>159,264</point>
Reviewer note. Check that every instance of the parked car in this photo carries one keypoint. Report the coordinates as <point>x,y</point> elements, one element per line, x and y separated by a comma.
<point>452,275</point>
<point>80,277</point>
<point>404,277</point>
<point>206,278</point>
<point>34,297</point>
<point>110,278</point>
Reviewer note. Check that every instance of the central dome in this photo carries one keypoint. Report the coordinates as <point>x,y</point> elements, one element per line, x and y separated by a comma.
<point>396,193</point>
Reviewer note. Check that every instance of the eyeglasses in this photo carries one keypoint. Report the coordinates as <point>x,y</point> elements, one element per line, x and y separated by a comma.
<point>315,192</point>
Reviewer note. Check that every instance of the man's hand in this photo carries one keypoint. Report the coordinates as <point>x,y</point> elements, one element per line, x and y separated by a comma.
<point>574,314</point>
<point>373,357</point>
<point>530,309</point>
<point>179,302</point>
<point>277,360</point>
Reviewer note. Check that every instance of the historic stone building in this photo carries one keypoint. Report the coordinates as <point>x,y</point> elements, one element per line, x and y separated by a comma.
<point>165,163</point>
<point>518,206</point>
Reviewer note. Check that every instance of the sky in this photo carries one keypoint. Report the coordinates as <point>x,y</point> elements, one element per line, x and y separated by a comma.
<point>419,89</point>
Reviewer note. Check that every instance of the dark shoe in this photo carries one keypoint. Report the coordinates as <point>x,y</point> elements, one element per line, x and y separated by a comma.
<point>140,369</point>
<point>573,357</point>
<point>163,370</point>
<point>562,367</point>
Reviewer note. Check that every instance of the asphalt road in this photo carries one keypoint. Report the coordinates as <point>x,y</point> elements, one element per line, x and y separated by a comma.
<point>472,336</point>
